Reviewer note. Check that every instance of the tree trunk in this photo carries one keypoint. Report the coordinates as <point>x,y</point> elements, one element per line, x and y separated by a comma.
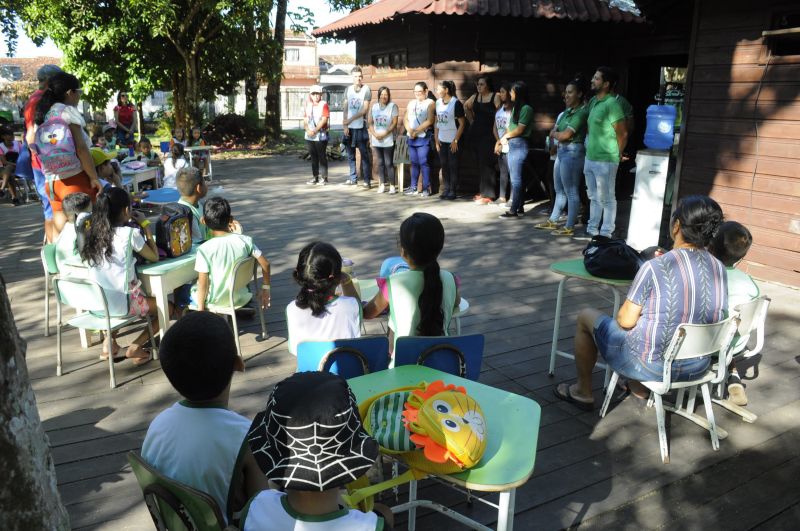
<point>28,493</point>
<point>179,100</point>
<point>251,92</point>
<point>272,120</point>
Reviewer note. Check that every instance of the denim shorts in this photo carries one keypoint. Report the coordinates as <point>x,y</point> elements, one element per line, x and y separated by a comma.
<point>611,341</point>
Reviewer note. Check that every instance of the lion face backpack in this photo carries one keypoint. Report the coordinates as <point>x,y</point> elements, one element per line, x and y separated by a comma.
<point>434,428</point>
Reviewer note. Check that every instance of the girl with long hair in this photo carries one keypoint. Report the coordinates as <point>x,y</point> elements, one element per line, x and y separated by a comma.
<point>501,119</point>
<point>382,123</point>
<point>516,137</point>
<point>418,121</point>
<point>449,128</point>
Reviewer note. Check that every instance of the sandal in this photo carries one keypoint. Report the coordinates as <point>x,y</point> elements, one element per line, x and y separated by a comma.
<point>117,356</point>
<point>563,232</point>
<point>547,225</point>
<point>140,359</point>
<point>562,392</point>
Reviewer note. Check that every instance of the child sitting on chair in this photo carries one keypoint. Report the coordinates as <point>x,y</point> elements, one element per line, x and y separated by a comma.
<point>729,246</point>
<point>192,188</point>
<point>108,174</point>
<point>317,314</point>
<point>178,137</point>
<point>216,257</point>
<point>174,162</point>
<point>424,297</point>
<point>77,207</point>
<point>145,153</point>
<point>199,441</point>
<point>318,407</point>
<point>200,157</point>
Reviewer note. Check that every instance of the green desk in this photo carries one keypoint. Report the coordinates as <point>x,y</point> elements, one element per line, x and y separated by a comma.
<point>574,269</point>
<point>159,279</point>
<point>513,427</point>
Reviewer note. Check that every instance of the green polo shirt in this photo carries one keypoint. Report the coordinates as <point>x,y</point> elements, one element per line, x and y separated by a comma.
<point>574,119</point>
<point>525,118</point>
<point>601,144</point>
<point>627,108</point>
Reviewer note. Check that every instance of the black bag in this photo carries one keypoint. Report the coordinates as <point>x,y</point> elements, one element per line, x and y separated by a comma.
<point>608,258</point>
<point>174,230</point>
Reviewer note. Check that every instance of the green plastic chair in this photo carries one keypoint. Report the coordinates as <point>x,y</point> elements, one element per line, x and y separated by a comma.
<point>48,255</point>
<point>173,505</point>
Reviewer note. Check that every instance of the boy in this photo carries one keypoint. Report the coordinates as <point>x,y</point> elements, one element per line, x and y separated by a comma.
<point>110,137</point>
<point>146,153</point>
<point>193,188</point>
<point>309,440</point>
<point>106,172</point>
<point>215,258</point>
<point>730,245</point>
<point>77,207</point>
<point>198,441</point>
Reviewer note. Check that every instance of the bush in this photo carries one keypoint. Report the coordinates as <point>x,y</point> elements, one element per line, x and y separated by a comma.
<point>233,129</point>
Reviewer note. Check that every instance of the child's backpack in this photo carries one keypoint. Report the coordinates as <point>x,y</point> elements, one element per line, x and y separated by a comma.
<point>433,428</point>
<point>174,230</point>
<point>56,148</point>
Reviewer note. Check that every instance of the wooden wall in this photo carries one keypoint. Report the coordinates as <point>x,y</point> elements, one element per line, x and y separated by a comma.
<point>743,132</point>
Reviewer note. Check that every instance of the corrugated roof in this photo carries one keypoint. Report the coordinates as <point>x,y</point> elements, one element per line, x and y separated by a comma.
<point>579,10</point>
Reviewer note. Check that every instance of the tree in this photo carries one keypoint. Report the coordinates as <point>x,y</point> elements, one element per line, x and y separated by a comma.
<point>8,24</point>
<point>28,493</point>
<point>272,119</point>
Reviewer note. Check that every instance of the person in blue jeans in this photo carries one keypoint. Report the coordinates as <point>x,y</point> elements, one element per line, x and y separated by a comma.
<point>356,134</point>
<point>516,137</point>
<point>418,122</point>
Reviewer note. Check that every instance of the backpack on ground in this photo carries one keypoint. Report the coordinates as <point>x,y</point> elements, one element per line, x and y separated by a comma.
<point>55,147</point>
<point>174,230</point>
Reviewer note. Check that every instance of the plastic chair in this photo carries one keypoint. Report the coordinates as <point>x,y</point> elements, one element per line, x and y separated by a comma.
<point>458,355</point>
<point>87,295</point>
<point>164,147</point>
<point>174,505</point>
<point>48,255</point>
<point>345,357</point>
<point>690,341</point>
<point>463,309</point>
<point>244,270</point>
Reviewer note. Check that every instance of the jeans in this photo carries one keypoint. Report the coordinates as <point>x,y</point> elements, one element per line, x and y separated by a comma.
<point>124,139</point>
<point>600,185</point>
<point>357,140</point>
<point>517,153</point>
<point>319,158</point>
<point>449,161</point>
<point>502,163</point>
<point>567,178</point>
<point>384,162</point>
<point>418,149</point>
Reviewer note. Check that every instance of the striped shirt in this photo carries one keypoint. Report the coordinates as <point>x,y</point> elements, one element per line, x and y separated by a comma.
<point>681,286</point>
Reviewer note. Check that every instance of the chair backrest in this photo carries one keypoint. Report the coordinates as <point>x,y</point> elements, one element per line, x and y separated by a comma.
<point>459,355</point>
<point>173,505</point>
<point>752,316</point>
<point>346,357</point>
<point>48,255</point>
<point>244,271</point>
<point>81,293</point>
<point>692,341</point>
<point>164,146</point>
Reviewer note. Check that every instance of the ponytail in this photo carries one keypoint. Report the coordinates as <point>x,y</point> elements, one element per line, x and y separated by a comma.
<point>431,316</point>
<point>56,91</point>
<point>318,271</point>
<point>98,245</point>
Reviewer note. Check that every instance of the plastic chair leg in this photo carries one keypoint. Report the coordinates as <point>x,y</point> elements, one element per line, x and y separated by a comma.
<point>236,332</point>
<point>153,348</point>
<point>710,416</point>
<point>112,375</point>
<point>609,391</point>
<point>263,322</point>
<point>46,305</point>
<point>662,429</point>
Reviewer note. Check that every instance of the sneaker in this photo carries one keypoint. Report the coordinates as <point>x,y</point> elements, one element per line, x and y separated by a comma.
<point>546,225</point>
<point>312,181</point>
<point>366,186</point>
<point>410,191</point>
<point>392,190</point>
<point>582,236</point>
<point>501,201</point>
<point>444,195</point>
<point>15,201</point>
<point>426,193</point>
<point>381,188</point>
<point>322,182</point>
<point>563,232</point>
<point>736,393</point>
<point>348,182</point>
<point>451,197</point>
<point>508,215</point>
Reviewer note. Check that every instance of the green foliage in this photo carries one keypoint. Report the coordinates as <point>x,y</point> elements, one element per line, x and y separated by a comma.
<point>252,119</point>
<point>8,24</point>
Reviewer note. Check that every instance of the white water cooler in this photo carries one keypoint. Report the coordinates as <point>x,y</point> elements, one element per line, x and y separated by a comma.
<point>647,205</point>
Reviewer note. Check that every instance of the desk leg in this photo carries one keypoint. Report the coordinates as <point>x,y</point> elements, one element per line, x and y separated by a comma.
<point>556,324</point>
<point>505,510</point>
<point>162,303</point>
<point>412,511</point>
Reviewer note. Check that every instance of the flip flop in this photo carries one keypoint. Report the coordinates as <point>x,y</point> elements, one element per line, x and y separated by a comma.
<point>566,396</point>
<point>117,357</point>
<point>140,360</point>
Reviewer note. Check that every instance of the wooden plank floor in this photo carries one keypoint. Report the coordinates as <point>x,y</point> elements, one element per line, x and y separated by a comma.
<point>588,473</point>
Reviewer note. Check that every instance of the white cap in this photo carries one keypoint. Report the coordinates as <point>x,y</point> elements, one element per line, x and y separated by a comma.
<point>315,89</point>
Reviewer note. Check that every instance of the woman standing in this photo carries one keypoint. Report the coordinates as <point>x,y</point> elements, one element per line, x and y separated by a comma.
<point>124,113</point>
<point>516,137</point>
<point>316,118</point>
<point>480,109</point>
<point>382,123</point>
<point>449,128</point>
<point>569,132</point>
<point>501,118</point>
<point>418,121</point>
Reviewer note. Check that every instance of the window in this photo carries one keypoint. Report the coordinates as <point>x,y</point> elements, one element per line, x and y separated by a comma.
<point>540,62</point>
<point>499,60</point>
<point>335,98</point>
<point>292,55</point>
<point>390,60</point>
<point>783,39</point>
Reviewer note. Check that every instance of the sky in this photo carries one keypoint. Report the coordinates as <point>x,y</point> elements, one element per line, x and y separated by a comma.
<point>320,8</point>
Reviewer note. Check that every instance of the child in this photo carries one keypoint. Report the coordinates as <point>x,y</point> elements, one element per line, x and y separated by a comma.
<point>317,313</point>
<point>107,173</point>
<point>215,258</point>
<point>319,407</point>
<point>9,153</point>
<point>199,441</point>
<point>178,137</point>
<point>109,135</point>
<point>423,298</point>
<point>174,162</point>
<point>730,245</point>
<point>145,152</point>
<point>77,207</point>
<point>108,252</point>
<point>192,188</point>
<point>201,157</point>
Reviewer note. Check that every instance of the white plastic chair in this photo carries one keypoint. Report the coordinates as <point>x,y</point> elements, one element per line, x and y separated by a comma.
<point>690,341</point>
<point>463,309</point>
<point>244,270</point>
<point>48,255</point>
<point>89,296</point>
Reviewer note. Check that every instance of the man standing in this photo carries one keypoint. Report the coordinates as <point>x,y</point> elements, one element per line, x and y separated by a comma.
<point>29,113</point>
<point>356,136</point>
<point>605,141</point>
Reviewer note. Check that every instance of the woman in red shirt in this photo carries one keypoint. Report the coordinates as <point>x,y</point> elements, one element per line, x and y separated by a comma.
<point>123,115</point>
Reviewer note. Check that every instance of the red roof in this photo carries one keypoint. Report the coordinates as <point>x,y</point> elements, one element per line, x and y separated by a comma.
<point>579,10</point>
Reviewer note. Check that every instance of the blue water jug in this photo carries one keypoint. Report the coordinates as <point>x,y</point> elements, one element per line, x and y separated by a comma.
<point>660,124</point>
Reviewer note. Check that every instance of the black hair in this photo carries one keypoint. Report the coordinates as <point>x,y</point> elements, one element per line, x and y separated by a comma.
<point>217,213</point>
<point>145,140</point>
<point>182,130</point>
<point>318,271</point>
<point>487,79</point>
<point>422,85</point>
<point>449,85</point>
<point>56,92</point>
<point>731,243</point>
<point>422,238</point>
<point>700,217</point>
<point>581,84</point>
<point>5,130</point>
<point>610,75</point>
<point>119,96</point>
<point>176,151</point>
<point>76,202</point>
<point>355,69</point>
<point>504,85</point>
<point>520,89</point>
<point>106,216</point>
<point>198,354</point>
<point>388,93</point>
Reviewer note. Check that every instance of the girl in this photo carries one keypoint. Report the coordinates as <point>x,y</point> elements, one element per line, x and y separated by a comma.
<point>317,313</point>
<point>108,251</point>
<point>124,113</point>
<point>175,161</point>
<point>201,162</point>
<point>501,118</point>
<point>449,127</point>
<point>382,123</point>
<point>316,137</point>
<point>569,132</point>
<point>418,122</point>
<point>516,137</point>
<point>178,137</point>
<point>9,152</point>
<point>59,99</point>
<point>480,109</point>
<point>424,297</point>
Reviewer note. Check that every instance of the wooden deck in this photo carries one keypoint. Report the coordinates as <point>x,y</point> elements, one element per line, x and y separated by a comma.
<point>589,473</point>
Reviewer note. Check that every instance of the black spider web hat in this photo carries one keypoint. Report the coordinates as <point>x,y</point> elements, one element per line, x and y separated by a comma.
<point>310,435</point>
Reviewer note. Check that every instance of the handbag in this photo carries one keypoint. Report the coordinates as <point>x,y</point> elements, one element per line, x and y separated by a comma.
<point>611,258</point>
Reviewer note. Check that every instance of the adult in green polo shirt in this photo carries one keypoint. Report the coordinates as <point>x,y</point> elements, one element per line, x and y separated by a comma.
<point>605,141</point>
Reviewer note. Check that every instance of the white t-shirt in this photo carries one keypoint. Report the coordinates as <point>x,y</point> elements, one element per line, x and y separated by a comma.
<point>381,120</point>
<point>446,120</point>
<point>355,100</point>
<point>114,274</point>
<point>171,168</point>
<point>16,147</point>
<point>198,446</point>
<point>270,510</point>
<point>417,114</point>
<point>501,118</point>
<point>343,321</point>
<point>71,115</point>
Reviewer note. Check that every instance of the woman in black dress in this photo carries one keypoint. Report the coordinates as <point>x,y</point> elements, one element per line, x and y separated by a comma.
<point>480,109</point>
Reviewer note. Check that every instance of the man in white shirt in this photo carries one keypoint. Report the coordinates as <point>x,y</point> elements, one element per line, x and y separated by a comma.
<point>356,135</point>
